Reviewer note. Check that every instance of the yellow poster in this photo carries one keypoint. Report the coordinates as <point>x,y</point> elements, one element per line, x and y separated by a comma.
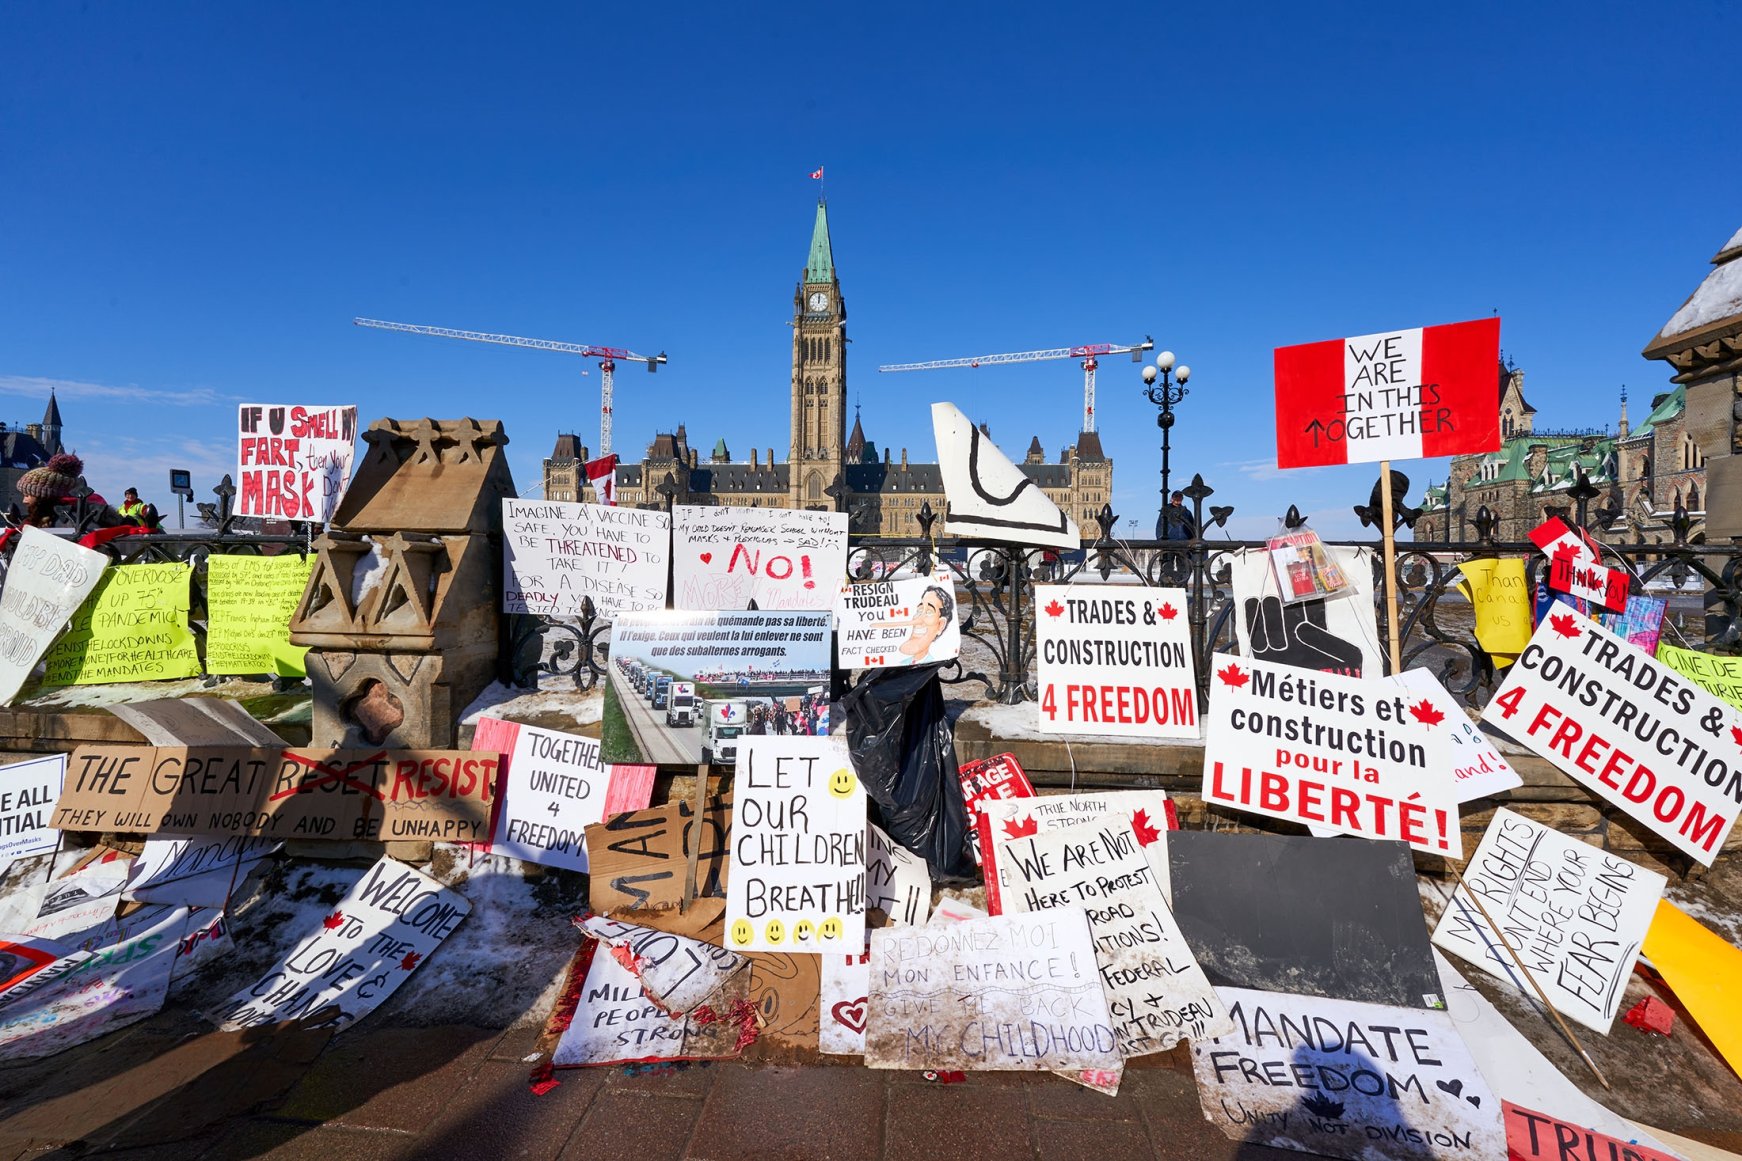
<point>249,601</point>
<point>1704,972</point>
<point>133,627</point>
<point>1719,676</point>
<point>1501,600</point>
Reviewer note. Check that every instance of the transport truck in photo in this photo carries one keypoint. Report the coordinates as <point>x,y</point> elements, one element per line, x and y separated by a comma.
<point>726,721</point>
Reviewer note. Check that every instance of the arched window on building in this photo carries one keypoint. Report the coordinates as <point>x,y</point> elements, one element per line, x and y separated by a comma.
<point>1506,424</point>
<point>816,488</point>
<point>1693,498</point>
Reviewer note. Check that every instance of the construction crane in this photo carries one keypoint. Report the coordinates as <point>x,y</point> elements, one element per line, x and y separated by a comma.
<point>607,357</point>
<point>1088,353</point>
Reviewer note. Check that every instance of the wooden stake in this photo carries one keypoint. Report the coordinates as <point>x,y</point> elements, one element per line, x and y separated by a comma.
<point>695,838</point>
<point>1390,565</point>
<point>1495,928</point>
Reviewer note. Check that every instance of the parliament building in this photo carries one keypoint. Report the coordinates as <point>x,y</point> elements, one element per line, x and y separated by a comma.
<point>825,467</point>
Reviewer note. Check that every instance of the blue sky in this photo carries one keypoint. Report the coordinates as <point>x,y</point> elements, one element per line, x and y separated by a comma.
<point>197,199</point>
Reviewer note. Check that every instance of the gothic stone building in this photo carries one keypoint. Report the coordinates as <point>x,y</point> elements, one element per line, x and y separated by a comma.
<point>825,467</point>
<point>1647,471</point>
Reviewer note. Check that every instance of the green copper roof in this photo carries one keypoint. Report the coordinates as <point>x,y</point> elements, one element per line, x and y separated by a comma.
<point>821,267</point>
<point>1667,408</point>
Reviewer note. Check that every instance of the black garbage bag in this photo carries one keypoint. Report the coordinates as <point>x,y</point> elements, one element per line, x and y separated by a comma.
<point>905,753</point>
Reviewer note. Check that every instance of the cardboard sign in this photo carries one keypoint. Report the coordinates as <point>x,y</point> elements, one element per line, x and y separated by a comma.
<point>1004,993</point>
<point>676,972</point>
<point>1627,728</point>
<point>249,602</point>
<point>28,791</point>
<point>1501,598</point>
<point>554,786</point>
<point>798,848</point>
<point>1350,755</point>
<point>1575,915</point>
<point>784,991</point>
<point>1476,762</point>
<point>1115,661</point>
<point>1147,812</point>
<point>386,925</point>
<point>133,627</point>
<point>897,881</point>
<point>1574,566</point>
<point>1533,1136</point>
<point>47,581</point>
<point>639,859</point>
<point>615,1023</point>
<point>988,497</point>
<point>1333,636</point>
<point>288,793</point>
<point>1000,776</point>
<point>897,622</point>
<point>846,1003</point>
<point>1702,969</point>
<point>1719,676</point>
<point>293,461</point>
<point>781,558</point>
<point>556,554</point>
<point>194,870</point>
<point>1344,1079</point>
<point>1396,395</point>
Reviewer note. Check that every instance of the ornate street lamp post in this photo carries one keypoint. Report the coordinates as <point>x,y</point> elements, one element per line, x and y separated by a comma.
<point>1170,389</point>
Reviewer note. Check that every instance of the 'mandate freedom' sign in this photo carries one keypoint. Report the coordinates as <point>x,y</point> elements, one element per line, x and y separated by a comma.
<point>1399,395</point>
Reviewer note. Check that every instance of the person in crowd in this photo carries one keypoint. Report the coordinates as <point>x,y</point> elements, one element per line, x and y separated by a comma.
<point>44,489</point>
<point>140,512</point>
<point>937,608</point>
<point>1175,522</point>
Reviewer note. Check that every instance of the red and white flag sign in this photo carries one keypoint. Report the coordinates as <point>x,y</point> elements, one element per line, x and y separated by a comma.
<point>1400,395</point>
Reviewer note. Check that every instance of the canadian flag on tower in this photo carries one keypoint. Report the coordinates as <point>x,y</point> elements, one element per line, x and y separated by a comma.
<point>602,474</point>
<point>1399,395</point>
<point>817,173</point>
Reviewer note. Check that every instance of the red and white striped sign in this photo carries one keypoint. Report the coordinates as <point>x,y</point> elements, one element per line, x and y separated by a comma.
<point>1428,391</point>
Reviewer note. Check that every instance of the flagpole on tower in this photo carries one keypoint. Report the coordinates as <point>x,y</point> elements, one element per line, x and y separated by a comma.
<point>823,187</point>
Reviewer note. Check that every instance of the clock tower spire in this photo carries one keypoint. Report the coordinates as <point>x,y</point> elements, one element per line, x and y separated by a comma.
<point>819,374</point>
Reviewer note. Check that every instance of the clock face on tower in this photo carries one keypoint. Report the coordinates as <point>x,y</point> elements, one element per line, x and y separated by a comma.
<point>819,301</point>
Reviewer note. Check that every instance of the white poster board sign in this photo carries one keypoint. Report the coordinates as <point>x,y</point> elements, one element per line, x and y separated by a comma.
<point>1115,660</point>
<point>615,1023</point>
<point>28,791</point>
<point>554,789</point>
<point>194,870</point>
<point>883,624</point>
<point>1013,818</point>
<point>48,580</point>
<point>385,926</point>
<point>798,847</point>
<point>556,554</point>
<point>293,461</point>
<point>1337,636</point>
<point>1350,755</point>
<point>1575,914</point>
<point>781,558</point>
<point>845,1004</point>
<point>990,498</point>
<point>1477,766</point>
<point>897,881</point>
<point>678,973</point>
<point>1650,741</point>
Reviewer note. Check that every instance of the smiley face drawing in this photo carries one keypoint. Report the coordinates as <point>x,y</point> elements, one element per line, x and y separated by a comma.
<point>831,928</point>
<point>742,932</point>
<point>803,931</point>
<point>775,931</point>
<point>842,783</point>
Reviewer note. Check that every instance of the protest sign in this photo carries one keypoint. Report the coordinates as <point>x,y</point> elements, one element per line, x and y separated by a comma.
<point>387,924</point>
<point>1148,813</point>
<point>845,1003</point>
<point>615,1023</point>
<point>249,602</point>
<point>1344,753</point>
<point>897,881</point>
<point>193,870</point>
<point>1477,766</point>
<point>1501,599</point>
<point>1115,661</point>
<point>639,858</point>
<point>555,555</point>
<point>897,622</point>
<point>686,687</point>
<point>22,957</point>
<point>82,900</point>
<point>1639,624</point>
<point>1574,566</point>
<point>784,991</point>
<point>1574,914</point>
<point>985,779</point>
<point>1534,1136</point>
<point>553,787</point>
<point>1004,993</point>
<point>1335,636</point>
<point>293,461</point>
<point>1719,676</point>
<point>678,973</point>
<point>798,848</point>
<point>1627,728</point>
<point>47,581</point>
<point>781,558</point>
<point>28,790</point>
<point>988,497</point>
<point>1396,395</point>
<point>1345,1079</point>
<point>133,627</point>
<point>383,795</point>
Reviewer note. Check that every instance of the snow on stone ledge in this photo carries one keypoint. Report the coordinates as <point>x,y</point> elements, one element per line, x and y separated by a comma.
<point>1719,297</point>
<point>555,696</point>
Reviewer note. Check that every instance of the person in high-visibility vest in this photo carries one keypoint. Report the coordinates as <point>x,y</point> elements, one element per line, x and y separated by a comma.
<point>138,512</point>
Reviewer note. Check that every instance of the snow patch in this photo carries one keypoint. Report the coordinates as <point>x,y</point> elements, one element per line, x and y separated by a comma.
<point>1718,297</point>
<point>555,695</point>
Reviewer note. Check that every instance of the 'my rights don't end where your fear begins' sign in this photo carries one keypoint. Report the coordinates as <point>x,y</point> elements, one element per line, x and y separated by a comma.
<point>1426,391</point>
<point>1115,662</point>
<point>293,461</point>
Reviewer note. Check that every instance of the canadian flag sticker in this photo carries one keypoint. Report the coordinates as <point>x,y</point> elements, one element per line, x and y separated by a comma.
<point>1426,391</point>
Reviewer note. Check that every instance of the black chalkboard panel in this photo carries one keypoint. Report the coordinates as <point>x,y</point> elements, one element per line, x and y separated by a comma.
<point>1335,917</point>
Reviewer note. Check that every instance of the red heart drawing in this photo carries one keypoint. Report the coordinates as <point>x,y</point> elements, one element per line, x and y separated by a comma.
<point>707,558</point>
<point>851,1013</point>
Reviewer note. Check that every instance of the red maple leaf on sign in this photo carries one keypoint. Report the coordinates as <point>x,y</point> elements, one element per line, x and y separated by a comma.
<point>410,961</point>
<point>1022,829</point>
<point>1053,608</point>
<point>1232,674</point>
<point>1736,734</point>
<point>1425,713</point>
<point>336,919</point>
<point>1564,624</point>
<point>1146,833</point>
<point>1168,612</point>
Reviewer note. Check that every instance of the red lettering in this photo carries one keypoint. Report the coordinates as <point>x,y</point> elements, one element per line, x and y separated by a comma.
<point>1703,828</point>
<point>1185,706</point>
<point>1307,805</point>
<point>1567,732</point>
<point>1344,803</point>
<point>1272,791</point>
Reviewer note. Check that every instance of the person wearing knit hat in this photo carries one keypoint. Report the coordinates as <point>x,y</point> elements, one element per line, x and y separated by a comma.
<point>51,484</point>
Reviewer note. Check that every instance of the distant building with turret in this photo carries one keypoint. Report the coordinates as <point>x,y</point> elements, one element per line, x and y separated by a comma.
<point>26,446</point>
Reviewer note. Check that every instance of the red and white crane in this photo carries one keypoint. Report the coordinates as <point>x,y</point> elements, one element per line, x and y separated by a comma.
<point>607,357</point>
<point>1087,352</point>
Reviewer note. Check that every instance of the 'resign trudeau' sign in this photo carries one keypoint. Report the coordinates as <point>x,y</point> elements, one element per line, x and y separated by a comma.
<point>1396,395</point>
<point>1115,661</point>
<point>293,461</point>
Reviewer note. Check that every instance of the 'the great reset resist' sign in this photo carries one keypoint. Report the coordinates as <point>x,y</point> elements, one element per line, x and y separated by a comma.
<point>293,462</point>
<point>1427,391</point>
